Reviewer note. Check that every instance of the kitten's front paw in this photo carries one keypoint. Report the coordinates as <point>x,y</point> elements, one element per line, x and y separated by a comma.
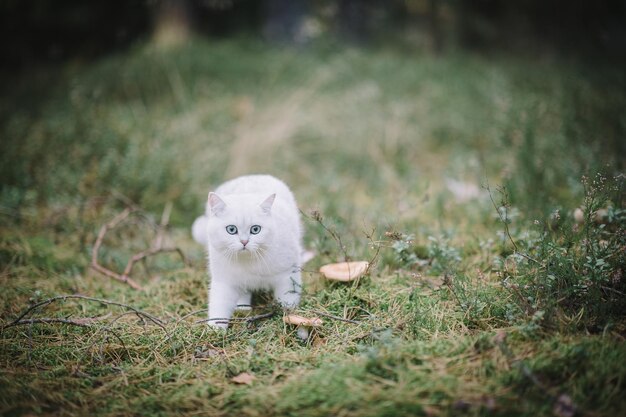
<point>221,324</point>
<point>289,301</point>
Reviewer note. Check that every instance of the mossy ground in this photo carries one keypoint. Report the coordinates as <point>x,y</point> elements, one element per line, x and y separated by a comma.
<point>496,302</point>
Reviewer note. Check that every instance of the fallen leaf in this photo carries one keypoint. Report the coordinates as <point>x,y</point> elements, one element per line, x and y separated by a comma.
<point>243,378</point>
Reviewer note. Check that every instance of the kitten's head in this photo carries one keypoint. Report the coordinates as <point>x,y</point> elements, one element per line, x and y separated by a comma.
<point>240,225</point>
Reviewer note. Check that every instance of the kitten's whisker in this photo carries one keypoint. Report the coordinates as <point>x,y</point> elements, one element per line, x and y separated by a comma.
<point>262,254</point>
<point>258,256</point>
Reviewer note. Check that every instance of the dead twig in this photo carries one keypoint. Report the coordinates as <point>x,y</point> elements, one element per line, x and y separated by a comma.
<point>165,219</point>
<point>374,244</point>
<point>145,254</point>
<point>193,313</point>
<point>109,329</point>
<point>96,248</point>
<point>157,246</point>
<point>330,316</point>
<point>49,320</point>
<point>20,319</point>
<point>317,216</point>
<point>252,319</point>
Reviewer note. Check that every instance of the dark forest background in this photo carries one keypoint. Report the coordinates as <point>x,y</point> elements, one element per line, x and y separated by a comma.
<point>48,31</point>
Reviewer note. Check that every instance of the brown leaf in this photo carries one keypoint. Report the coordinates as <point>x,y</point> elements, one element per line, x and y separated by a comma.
<point>243,378</point>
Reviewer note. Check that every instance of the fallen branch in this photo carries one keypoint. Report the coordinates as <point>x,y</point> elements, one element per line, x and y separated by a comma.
<point>193,313</point>
<point>20,320</point>
<point>96,248</point>
<point>157,247</point>
<point>49,320</point>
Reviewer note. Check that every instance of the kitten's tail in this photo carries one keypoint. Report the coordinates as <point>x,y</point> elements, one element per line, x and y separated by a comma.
<point>199,230</point>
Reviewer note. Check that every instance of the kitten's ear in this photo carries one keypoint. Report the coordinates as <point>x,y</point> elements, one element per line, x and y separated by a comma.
<point>266,206</point>
<point>216,204</point>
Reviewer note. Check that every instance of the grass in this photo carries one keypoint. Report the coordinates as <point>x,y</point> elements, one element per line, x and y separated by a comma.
<point>499,301</point>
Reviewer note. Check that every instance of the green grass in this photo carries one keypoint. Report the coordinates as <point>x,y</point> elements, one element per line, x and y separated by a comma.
<point>501,304</point>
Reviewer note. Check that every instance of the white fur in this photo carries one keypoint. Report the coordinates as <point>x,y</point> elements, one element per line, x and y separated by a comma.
<point>269,260</point>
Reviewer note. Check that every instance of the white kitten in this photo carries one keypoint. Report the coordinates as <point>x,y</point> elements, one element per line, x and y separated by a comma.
<point>253,233</point>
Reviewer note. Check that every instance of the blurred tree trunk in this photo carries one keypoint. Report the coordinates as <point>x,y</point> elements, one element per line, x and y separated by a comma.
<point>172,22</point>
<point>353,16</point>
<point>284,20</point>
<point>435,26</point>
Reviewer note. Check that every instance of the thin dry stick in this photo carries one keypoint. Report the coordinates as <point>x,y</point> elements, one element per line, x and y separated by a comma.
<point>330,316</point>
<point>82,322</point>
<point>96,247</point>
<point>156,248</point>
<point>109,328</point>
<point>447,281</point>
<point>165,219</point>
<point>317,216</point>
<point>193,313</point>
<point>44,303</point>
<point>178,321</point>
<point>49,320</point>
<point>144,254</point>
<point>377,244</point>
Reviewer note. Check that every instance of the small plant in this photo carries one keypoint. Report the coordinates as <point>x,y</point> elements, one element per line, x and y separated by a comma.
<point>575,270</point>
<point>439,255</point>
<point>403,248</point>
<point>444,256</point>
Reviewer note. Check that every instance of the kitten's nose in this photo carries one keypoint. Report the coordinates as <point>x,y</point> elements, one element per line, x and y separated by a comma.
<point>244,242</point>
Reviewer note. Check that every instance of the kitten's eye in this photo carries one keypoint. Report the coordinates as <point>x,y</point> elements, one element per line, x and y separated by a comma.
<point>231,229</point>
<point>255,230</point>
